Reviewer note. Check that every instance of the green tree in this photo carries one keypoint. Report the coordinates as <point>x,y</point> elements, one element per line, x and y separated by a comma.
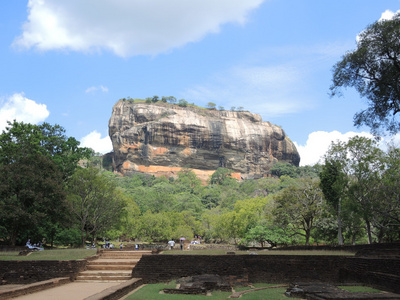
<point>273,235</point>
<point>281,168</point>
<point>182,103</point>
<point>373,69</point>
<point>361,161</point>
<point>211,105</point>
<point>388,222</point>
<point>299,206</point>
<point>155,227</point>
<point>188,181</point>
<point>31,195</point>
<point>222,176</point>
<point>96,203</point>
<point>171,99</point>
<point>155,99</point>
<point>334,184</point>
<point>20,139</point>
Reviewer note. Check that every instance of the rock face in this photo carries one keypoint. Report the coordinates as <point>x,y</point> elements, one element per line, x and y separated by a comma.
<point>164,137</point>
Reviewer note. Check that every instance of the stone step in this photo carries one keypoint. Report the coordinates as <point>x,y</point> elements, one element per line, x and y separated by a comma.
<point>109,267</point>
<point>121,257</point>
<point>123,254</point>
<point>113,262</point>
<point>102,278</point>
<point>105,273</point>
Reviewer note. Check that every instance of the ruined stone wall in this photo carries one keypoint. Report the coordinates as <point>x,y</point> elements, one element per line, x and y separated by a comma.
<point>24,272</point>
<point>381,273</point>
<point>260,268</point>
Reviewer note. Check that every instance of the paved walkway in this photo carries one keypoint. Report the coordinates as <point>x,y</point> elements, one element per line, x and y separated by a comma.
<point>70,291</point>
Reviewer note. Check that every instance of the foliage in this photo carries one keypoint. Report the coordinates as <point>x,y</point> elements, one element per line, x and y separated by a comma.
<point>20,139</point>
<point>282,168</point>
<point>211,105</point>
<point>333,184</point>
<point>373,69</point>
<point>31,194</point>
<point>259,234</point>
<point>182,103</point>
<point>96,203</point>
<point>222,176</point>
<point>299,206</point>
<point>361,161</point>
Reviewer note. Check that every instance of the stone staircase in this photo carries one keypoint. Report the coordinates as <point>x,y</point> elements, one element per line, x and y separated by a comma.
<point>112,266</point>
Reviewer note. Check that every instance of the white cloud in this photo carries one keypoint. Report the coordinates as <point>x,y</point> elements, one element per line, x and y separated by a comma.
<point>93,89</point>
<point>18,107</point>
<point>127,27</point>
<point>96,142</point>
<point>318,143</point>
<point>388,15</point>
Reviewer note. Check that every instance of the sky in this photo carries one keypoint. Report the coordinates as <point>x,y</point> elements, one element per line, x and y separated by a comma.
<point>68,62</point>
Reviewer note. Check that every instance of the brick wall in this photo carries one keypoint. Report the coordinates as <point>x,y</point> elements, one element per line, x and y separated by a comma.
<point>23,272</point>
<point>258,268</point>
<point>382,273</point>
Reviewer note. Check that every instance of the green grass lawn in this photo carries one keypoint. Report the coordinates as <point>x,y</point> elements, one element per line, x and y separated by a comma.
<point>152,291</point>
<point>261,252</point>
<point>57,254</point>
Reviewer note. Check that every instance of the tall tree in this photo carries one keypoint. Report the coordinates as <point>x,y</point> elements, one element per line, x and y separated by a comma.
<point>373,69</point>
<point>96,203</point>
<point>389,195</point>
<point>361,161</point>
<point>298,206</point>
<point>333,184</point>
<point>31,195</point>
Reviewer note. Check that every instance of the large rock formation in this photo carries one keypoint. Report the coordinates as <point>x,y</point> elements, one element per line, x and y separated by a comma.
<point>164,138</point>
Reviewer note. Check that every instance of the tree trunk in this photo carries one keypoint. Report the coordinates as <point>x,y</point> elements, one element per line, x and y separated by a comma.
<point>13,239</point>
<point>308,233</point>
<point>368,224</point>
<point>339,221</point>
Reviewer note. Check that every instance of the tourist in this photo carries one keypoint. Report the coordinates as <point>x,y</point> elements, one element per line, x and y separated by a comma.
<point>171,244</point>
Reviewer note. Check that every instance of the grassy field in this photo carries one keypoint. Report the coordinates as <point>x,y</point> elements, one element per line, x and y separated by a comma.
<point>59,254</point>
<point>262,252</point>
<point>152,291</point>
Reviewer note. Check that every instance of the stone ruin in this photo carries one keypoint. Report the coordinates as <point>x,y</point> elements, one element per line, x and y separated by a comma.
<point>200,285</point>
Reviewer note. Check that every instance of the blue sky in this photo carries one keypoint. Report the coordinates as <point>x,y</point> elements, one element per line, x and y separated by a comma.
<point>68,62</point>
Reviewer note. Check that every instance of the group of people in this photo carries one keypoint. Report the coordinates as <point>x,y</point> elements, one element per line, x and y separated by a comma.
<point>171,243</point>
<point>37,246</point>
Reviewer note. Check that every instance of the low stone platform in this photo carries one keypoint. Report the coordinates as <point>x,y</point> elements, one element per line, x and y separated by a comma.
<point>16,290</point>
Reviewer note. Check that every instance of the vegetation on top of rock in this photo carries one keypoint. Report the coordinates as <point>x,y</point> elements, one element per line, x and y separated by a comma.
<point>181,102</point>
